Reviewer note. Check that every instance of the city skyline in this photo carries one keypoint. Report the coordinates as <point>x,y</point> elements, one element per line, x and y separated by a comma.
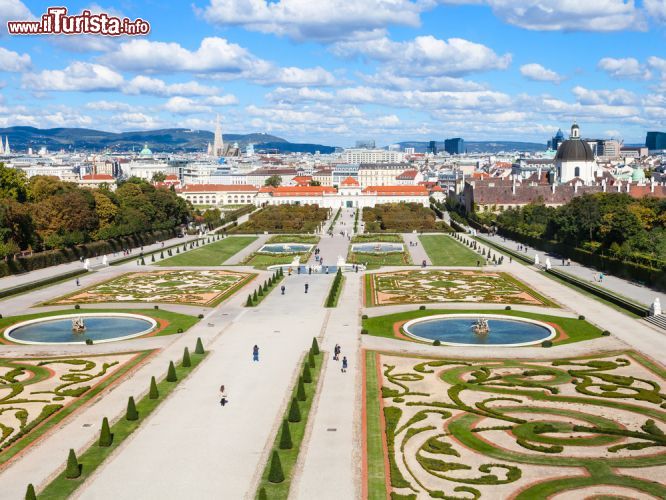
<point>339,72</point>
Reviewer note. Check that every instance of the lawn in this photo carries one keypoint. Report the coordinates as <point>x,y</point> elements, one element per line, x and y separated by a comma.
<point>589,427</point>
<point>262,261</point>
<point>213,254</point>
<point>575,329</point>
<point>377,238</point>
<point>294,238</point>
<point>376,260</point>
<point>177,321</point>
<point>445,251</point>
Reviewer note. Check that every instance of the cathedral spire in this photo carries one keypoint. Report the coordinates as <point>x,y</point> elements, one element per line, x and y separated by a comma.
<point>218,143</point>
<point>7,150</point>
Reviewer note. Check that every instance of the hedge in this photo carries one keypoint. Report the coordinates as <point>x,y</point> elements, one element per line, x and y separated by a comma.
<point>15,290</point>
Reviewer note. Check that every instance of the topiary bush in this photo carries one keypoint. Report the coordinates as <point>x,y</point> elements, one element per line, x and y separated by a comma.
<point>153,393</point>
<point>30,493</point>
<point>132,413</point>
<point>171,373</point>
<point>507,308</point>
<point>311,360</point>
<point>581,317</point>
<point>365,316</point>
<point>73,469</point>
<point>180,330</point>
<point>200,316</point>
<point>314,348</point>
<point>307,376</point>
<point>89,341</point>
<point>262,494</point>
<point>422,308</point>
<point>275,474</point>
<point>294,411</point>
<point>285,437</point>
<point>105,436</point>
<point>77,306</point>
<point>186,358</point>
<point>364,331</point>
<point>156,307</point>
<point>199,348</point>
<point>300,390</point>
<point>436,343</point>
<point>248,302</point>
<point>605,333</point>
<point>547,343</point>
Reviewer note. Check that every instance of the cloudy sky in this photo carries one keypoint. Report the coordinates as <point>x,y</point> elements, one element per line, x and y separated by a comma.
<point>334,71</point>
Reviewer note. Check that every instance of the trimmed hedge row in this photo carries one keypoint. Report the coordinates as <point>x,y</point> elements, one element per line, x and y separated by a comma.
<point>254,299</point>
<point>7,292</point>
<point>334,293</point>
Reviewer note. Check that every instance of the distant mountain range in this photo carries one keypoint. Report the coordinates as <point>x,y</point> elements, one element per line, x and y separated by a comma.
<point>480,146</point>
<point>166,140</point>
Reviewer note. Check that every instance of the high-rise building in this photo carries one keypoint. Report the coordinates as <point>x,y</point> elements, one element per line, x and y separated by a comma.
<point>455,146</point>
<point>557,139</point>
<point>655,141</point>
<point>218,143</point>
<point>432,147</point>
<point>365,144</point>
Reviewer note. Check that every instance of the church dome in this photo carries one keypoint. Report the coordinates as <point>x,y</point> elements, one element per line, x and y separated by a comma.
<point>574,150</point>
<point>146,151</point>
<point>638,175</point>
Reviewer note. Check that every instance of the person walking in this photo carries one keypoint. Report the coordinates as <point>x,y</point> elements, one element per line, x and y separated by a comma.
<point>344,364</point>
<point>223,399</point>
<point>77,281</point>
<point>255,353</point>
<point>282,289</point>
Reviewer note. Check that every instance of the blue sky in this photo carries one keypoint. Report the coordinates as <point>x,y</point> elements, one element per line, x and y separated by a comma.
<point>336,71</point>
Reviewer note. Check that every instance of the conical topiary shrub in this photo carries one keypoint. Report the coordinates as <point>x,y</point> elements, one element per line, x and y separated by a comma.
<point>307,376</point>
<point>177,250</point>
<point>105,436</point>
<point>30,493</point>
<point>265,287</point>
<point>171,373</point>
<point>143,261</point>
<point>260,291</point>
<point>262,494</point>
<point>275,474</point>
<point>311,360</point>
<point>153,393</point>
<point>254,296</point>
<point>152,258</point>
<point>199,348</point>
<point>248,302</point>
<point>131,413</point>
<point>315,346</point>
<point>162,254</point>
<point>73,469</point>
<point>300,390</point>
<point>294,411</point>
<point>285,437</point>
<point>186,358</point>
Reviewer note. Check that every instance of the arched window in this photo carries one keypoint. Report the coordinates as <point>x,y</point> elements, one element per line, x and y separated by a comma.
<point>577,172</point>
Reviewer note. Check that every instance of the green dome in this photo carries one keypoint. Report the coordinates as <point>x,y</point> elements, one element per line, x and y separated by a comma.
<point>638,175</point>
<point>145,151</point>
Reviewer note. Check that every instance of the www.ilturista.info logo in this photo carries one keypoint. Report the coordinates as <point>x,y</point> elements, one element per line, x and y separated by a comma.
<point>57,22</point>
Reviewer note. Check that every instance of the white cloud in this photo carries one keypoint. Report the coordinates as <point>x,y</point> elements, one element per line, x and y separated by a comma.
<point>136,121</point>
<point>153,86</point>
<point>658,64</point>
<point>108,106</point>
<point>617,97</point>
<point>13,10</point>
<point>297,77</point>
<point>13,61</point>
<point>185,106</point>
<point>427,55</point>
<point>225,100</point>
<point>656,9</point>
<point>310,20</point>
<point>569,15</point>
<point>388,79</point>
<point>629,68</point>
<point>537,72</point>
<point>78,76</point>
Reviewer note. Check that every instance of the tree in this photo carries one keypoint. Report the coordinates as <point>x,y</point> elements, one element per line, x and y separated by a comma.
<point>105,209</point>
<point>159,177</point>
<point>315,183</point>
<point>186,358</point>
<point>131,413</point>
<point>153,393</point>
<point>13,183</point>
<point>315,345</point>
<point>273,180</point>
<point>171,373</point>
<point>73,469</point>
<point>294,411</point>
<point>307,376</point>
<point>300,390</point>
<point>30,493</point>
<point>275,474</point>
<point>285,437</point>
<point>199,348</point>
<point>105,436</point>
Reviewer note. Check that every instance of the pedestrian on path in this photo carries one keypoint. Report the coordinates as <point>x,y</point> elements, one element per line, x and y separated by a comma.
<point>223,399</point>
<point>282,288</point>
<point>255,353</point>
<point>344,364</point>
<point>306,287</point>
<point>77,281</point>
<point>336,352</point>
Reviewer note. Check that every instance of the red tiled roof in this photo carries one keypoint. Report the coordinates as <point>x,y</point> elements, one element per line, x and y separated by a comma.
<point>298,190</point>
<point>171,177</point>
<point>349,181</point>
<point>641,191</point>
<point>396,190</point>
<point>407,175</point>
<point>97,177</point>
<point>197,188</point>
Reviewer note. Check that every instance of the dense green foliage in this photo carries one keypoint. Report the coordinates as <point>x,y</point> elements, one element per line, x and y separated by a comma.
<point>614,223</point>
<point>284,219</point>
<point>334,293</point>
<point>44,213</point>
<point>401,217</point>
<point>105,436</point>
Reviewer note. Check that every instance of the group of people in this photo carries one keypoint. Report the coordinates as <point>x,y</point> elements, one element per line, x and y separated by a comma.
<point>224,399</point>
<point>336,357</point>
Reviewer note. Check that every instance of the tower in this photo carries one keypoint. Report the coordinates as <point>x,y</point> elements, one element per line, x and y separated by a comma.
<point>218,144</point>
<point>7,150</point>
<point>2,151</point>
<point>575,131</point>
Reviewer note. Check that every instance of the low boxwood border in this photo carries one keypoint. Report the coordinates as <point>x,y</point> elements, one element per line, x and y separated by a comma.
<point>289,457</point>
<point>336,290</point>
<point>94,456</point>
<point>33,285</point>
<point>274,281</point>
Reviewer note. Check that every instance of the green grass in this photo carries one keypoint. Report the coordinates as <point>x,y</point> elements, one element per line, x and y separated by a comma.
<point>93,457</point>
<point>212,254</point>
<point>176,320</point>
<point>261,261</point>
<point>288,458</point>
<point>377,237</point>
<point>294,238</point>
<point>375,447</point>
<point>445,251</point>
<point>60,415</point>
<point>337,295</point>
<point>576,329</point>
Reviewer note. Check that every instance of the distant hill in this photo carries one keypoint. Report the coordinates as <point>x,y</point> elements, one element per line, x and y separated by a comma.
<point>166,140</point>
<point>480,146</point>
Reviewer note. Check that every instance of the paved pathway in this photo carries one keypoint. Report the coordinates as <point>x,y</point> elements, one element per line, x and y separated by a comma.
<point>626,288</point>
<point>332,247</point>
<point>416,250</point>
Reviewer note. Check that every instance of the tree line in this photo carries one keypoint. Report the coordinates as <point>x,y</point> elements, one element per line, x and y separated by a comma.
<point>45,213</point>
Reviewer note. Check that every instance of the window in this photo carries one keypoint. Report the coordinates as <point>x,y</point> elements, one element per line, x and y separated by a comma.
<point>577,172</point>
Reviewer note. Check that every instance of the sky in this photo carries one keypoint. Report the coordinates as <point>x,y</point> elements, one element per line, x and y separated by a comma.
<point>337,71</point>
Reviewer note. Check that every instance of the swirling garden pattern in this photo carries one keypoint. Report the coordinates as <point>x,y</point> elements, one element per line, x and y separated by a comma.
<point>566,428</point>
<point>34,392</point>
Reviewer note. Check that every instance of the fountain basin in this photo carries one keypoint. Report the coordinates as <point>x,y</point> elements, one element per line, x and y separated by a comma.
<point>457,330</point>
<point>100,327</point>
<point>285,248</point>
<point>378,247</point>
